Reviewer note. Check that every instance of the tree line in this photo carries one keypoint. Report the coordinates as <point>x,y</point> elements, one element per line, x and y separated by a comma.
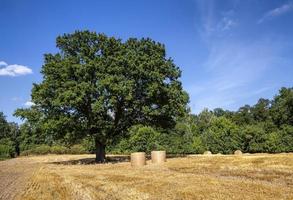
<point>100,94</point>
<point>266,126</point>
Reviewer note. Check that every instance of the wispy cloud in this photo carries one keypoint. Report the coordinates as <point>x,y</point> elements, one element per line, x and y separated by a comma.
<point>234,70</point>
<point>207,17</point>
<point>29,103</point>
<point>226,24</point>
<point>214,22</point>
<point>13,70</point>
<point>285,8</point>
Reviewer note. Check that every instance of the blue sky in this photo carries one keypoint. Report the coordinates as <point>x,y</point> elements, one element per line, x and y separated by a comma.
<point>231,52</point>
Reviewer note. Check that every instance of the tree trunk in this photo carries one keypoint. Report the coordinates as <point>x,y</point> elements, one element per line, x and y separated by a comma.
<point>17,150</point>
<point>100,152</point>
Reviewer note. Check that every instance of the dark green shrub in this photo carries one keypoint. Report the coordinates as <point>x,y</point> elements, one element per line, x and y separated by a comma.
<point>122,147</point>
<point>77,149</point>
<point>141,138</point>
<point>26,152</point>
<point>58,149</point>
<point>6,148</point>
<point>144,138</point>
<point>222,136</point>
<point>254,138</point>
<point>88,144</point>
<point>286,137</point>
<point>5,151</point>
<point>273,142</point>
<point>198,145</point>
<point>41,149</point>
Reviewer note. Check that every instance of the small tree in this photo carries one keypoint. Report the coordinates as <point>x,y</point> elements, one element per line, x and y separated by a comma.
<point>254,138</point>
<point>222,136</point>
<point>9,137</point>
<point>143,138</point>
<point>99,86</point>
<point>260,111</point>
<point>4,126</point>
<point>282,107</point>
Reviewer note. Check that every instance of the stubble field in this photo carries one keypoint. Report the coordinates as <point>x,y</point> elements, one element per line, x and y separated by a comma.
<point>254,176</point>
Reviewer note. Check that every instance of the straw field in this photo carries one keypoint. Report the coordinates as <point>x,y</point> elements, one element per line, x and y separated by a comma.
<point>257,176</point>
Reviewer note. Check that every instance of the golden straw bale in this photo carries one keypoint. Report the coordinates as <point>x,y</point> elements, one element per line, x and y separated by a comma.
<point>158,157</point>
<point>207,153</point>
<point>238,152</point>
<point>137,159</point>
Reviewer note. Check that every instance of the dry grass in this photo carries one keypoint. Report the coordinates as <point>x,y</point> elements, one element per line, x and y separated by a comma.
<point>260,176</point>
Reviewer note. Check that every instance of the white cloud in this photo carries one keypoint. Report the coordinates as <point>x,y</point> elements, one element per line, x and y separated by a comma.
<point>2,63</point>
<point>29,104</point>
<point>14,70</point>
<point>276,12</point>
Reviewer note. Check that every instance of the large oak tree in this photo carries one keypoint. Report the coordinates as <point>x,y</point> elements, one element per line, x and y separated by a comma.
<point>99,86</point>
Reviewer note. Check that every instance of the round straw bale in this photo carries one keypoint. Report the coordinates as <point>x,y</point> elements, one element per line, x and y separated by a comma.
<point>158,156</point>
<point>192,155</point>
<point>238,152</point>
<point>207,153</point>
<point>137,159</point>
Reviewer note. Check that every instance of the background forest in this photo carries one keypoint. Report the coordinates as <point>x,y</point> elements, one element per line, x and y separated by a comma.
<point>266,126</point>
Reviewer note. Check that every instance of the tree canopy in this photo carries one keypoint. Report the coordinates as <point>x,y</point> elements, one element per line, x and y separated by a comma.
<point>100,86</point>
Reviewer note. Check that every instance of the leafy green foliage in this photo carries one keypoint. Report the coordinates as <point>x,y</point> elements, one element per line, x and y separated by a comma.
<point>243,116</point>
<point>282,107</point>
<point>44,149</point>
<point>184,138</point>
<point>6,148</point>
<point>222,136</point>
<point>260,111</point>
<point>285,138</point>
<point>9,138</point>
<point>77,149</point>
<point>4,126</point>
<point>99,86</point>
<point>142,138</point>
<point>88,144</point>
<point>58,149</point>
<point>204,119</point>
<point>254,138</point>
